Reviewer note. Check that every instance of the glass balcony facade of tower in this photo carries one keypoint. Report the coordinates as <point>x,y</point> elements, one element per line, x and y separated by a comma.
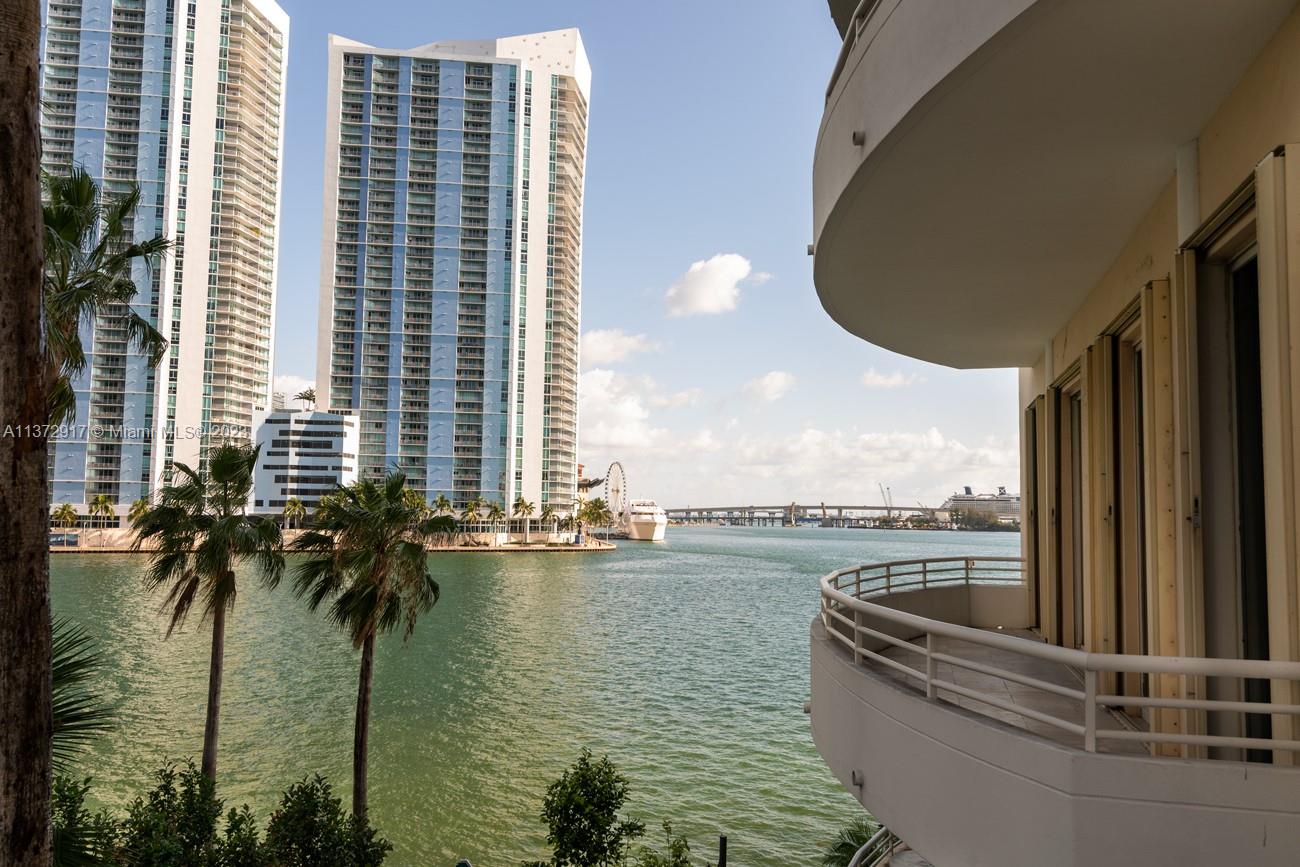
<point>105,108</point>
<point>453,224</point>
<point>184,100</point>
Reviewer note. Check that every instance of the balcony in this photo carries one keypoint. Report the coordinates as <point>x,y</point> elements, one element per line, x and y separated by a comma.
<point>938,707</point>
<point>980,164</point>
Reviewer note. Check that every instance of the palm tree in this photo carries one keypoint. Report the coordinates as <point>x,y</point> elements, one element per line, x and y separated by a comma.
<point>523,509</point>
<point>368,560</point>
<point>138,508</point>
<point>202,533</point>
<point>470,514</point>
<point>101,507</point>
<point>596,513</point>
<point>306,396</point>
<point>294,510</point>
<point>320,504</point>
<point>24,492</point>
<point>416,500</point>
<point>64,516</point>
<point>89,258</point>
<point>495,515</point>
<point>548,517</point>
<point>442,505</point>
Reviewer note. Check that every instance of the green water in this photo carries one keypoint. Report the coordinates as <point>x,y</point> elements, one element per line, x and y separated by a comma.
<point>687,662</point>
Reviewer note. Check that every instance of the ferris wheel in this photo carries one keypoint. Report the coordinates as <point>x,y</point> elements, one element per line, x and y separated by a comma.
<point>616,489</point>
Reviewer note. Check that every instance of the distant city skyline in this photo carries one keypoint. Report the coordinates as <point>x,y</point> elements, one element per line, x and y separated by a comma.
<point>709,367</point>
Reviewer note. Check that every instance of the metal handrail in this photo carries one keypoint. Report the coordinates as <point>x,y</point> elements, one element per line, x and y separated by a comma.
<point>861,15</point>
<point>844,604</point>
<point>880,844</point>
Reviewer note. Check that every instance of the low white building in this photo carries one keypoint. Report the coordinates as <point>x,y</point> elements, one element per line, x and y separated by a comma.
<point>305,454</point>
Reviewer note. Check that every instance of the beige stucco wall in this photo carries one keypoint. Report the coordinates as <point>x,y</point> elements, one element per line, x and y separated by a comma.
<point>1262,113</point>
<point>1148,255</point>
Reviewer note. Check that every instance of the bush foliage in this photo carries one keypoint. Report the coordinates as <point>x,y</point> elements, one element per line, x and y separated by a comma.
<point>584,828</point>
<point>179,823</point>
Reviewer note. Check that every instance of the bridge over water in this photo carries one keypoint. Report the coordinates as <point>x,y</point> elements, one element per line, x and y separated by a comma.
<point>792,514</point>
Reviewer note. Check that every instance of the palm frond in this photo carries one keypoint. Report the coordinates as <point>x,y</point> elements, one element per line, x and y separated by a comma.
<point>79,714</point>
<point>369,560</point>
<point>87,278</point>
<point>847,843</point>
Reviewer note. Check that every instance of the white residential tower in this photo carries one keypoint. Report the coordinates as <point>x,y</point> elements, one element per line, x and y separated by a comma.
<point>450,278</point>
<point>186,101</point>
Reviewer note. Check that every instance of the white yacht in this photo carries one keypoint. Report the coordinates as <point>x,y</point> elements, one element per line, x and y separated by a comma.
<point>645,521</point>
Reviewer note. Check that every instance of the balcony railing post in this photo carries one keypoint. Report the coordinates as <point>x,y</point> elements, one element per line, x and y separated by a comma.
<point>931,667</point>
<point>925,574</point>
<point>857,584</point>
<point>1090,710</point>
<point>968,565</point>
<point>889,578</point>
<point>858,656</point>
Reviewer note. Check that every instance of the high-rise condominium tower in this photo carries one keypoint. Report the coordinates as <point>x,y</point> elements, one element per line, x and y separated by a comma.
<point>450,278</point>
<point>186,101</point>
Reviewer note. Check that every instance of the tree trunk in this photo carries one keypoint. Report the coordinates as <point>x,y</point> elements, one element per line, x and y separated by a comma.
<point>25,721</point>
<point>216,668</point>
<point>361,737</point>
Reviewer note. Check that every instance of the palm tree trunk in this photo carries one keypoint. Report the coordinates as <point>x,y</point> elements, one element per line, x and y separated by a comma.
<point>25,721</point>
<point>216,668</point>
<point>361,737</point>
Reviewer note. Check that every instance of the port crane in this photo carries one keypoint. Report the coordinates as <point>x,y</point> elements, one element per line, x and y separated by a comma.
<point>886,495</point>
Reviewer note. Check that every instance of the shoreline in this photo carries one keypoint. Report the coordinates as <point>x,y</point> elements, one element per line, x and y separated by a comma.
<point>594,546</point>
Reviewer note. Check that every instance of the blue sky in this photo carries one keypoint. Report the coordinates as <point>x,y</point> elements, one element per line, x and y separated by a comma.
<point>710,369</point>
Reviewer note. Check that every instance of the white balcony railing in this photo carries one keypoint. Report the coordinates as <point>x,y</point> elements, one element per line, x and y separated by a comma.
<point>859,624</point>
<point>852,35</point>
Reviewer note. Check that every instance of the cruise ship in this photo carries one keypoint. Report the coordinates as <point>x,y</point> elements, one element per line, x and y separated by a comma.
<point>645,521</point>
<point>989,192</point>
<point>1003,506</point>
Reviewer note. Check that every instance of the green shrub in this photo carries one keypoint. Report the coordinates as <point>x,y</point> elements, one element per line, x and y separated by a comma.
<point>179,824</point>
<point>240,845</point>
<point>679,852</point>
<point>174,824</point>
<point>311,829</point>
<point>581,814</point>
<point>81,839</point>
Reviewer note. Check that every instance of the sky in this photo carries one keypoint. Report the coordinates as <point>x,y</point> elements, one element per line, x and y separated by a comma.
<point>709,368</point>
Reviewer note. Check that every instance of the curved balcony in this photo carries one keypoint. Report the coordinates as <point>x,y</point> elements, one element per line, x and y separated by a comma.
<point>935,704</point>
<point>981,164</point>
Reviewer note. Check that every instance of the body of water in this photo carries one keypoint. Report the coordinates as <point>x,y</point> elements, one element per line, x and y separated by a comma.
<point>686,662</point>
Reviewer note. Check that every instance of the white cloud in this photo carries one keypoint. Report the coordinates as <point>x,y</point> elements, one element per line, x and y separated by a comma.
<point>704,441</point>
<point>758,278</point>
<point>614,412</point>
<point>809,465</point>
<point>874,379</point>
<point>770,386</point>
<point>709,286</point>
<point>817,463</point>
<point>608,345</point>
<point>686,397</point>
<point>288,384</point>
